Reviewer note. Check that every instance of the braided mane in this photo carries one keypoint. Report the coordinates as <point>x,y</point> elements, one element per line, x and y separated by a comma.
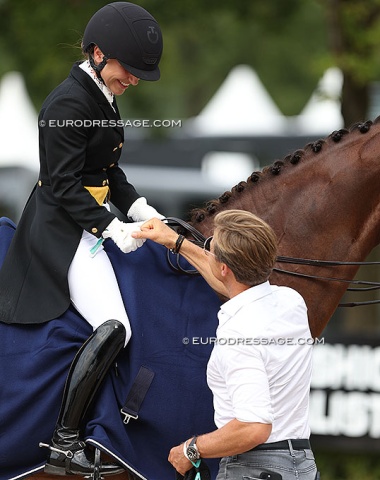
<point>197,215</point>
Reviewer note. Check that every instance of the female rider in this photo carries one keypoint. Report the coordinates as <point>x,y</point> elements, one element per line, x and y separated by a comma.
<point>48,265</point>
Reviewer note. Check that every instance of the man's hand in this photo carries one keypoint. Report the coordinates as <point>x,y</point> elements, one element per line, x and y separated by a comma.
<point>157,231</point>
<point>178,460</point>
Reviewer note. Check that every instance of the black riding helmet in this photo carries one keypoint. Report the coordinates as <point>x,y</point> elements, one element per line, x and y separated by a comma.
<point>128,33</point>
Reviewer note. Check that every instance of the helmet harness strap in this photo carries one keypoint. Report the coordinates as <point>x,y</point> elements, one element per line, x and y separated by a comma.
<point>98,68</point>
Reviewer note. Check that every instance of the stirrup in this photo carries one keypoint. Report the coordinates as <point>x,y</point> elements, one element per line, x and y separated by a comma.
<point>96,473</point>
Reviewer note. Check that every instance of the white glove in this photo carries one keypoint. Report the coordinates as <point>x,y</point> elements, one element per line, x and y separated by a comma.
<point>120,233</point>
<point>141,211</point>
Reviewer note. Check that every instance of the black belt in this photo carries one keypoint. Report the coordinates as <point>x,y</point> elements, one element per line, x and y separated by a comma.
<point>297,444</point>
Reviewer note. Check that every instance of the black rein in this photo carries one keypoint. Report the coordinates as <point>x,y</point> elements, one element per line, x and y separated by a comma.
<point>199,240</point>
<point>327,263</point>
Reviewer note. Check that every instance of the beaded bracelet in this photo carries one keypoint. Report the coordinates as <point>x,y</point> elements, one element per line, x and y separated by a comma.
<point>178,244</point>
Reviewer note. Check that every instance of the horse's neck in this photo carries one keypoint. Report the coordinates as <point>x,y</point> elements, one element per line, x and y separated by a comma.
<point>326,207</point>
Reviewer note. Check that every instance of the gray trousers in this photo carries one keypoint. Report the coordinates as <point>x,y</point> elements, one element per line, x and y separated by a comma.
<point>290,464</point>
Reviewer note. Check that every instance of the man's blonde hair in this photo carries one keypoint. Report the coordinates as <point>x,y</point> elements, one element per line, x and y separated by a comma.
<point>246,244</point>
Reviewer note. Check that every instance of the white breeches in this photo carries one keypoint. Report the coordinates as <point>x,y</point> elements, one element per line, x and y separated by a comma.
<point>94,290</point>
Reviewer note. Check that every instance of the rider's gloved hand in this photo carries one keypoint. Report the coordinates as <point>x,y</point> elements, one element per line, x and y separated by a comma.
<point>120,233</point>
<point>141,211</point>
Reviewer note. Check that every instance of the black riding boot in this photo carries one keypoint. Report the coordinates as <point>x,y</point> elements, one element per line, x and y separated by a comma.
<point>69,454</point>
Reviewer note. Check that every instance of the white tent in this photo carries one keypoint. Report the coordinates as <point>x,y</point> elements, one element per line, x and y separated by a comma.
<point>241,106</point>
<point>322,114</point>
<point>18,124</point>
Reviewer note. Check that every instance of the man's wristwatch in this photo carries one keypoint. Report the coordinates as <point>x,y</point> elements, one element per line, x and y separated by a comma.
<point>191,451</point>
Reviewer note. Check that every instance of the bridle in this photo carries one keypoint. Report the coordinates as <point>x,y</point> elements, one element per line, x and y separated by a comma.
<point>199,239</point>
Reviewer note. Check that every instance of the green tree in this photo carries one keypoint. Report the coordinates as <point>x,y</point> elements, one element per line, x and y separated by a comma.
<point>354,42</point>
<point>42,39</point>
<point>202,42</point>
<point>289,44</point>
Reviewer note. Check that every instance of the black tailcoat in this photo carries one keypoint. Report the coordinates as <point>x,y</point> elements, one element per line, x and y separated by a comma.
<point>80,140</point>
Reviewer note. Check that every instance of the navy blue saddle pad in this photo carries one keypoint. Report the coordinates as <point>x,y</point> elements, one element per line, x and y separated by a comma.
<point>173,318</point>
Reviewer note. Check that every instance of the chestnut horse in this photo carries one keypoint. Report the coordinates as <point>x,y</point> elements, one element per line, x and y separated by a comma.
<point>324,203</point>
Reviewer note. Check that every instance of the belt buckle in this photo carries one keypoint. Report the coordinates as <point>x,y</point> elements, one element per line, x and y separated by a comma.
<point>128,416</point>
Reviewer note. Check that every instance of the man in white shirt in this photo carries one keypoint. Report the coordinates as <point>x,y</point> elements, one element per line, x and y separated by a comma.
<point>260,368</point>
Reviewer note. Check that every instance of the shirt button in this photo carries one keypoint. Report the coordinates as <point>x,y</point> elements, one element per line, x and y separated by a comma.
<point>39,183</point>
<point>94,230</point>
<point>121,144</point>
<point>114,150</point>
<point>112,165</point>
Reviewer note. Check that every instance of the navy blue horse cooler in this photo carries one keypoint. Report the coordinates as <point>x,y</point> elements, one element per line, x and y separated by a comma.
<point>173,317</point>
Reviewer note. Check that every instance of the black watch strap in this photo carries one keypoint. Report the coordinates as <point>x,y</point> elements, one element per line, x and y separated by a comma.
<point>192,452</point>
<point>193,440</point>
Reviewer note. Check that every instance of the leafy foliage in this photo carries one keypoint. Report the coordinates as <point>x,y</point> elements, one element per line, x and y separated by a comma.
<point>289,44</point>
<point>202,42</point>
<point>343,466</point>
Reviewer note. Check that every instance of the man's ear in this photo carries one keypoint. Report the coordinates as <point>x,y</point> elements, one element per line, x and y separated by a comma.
<point>224,270</point>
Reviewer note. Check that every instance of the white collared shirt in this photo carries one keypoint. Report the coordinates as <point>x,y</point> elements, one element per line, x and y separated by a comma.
<point>260,367</point>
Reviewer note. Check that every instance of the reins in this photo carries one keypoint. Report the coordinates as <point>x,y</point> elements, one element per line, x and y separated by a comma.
<point>199,240</point>
<point>301,261</point>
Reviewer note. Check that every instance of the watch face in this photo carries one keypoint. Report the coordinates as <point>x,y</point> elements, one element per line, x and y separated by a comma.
<point>192,454</point>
